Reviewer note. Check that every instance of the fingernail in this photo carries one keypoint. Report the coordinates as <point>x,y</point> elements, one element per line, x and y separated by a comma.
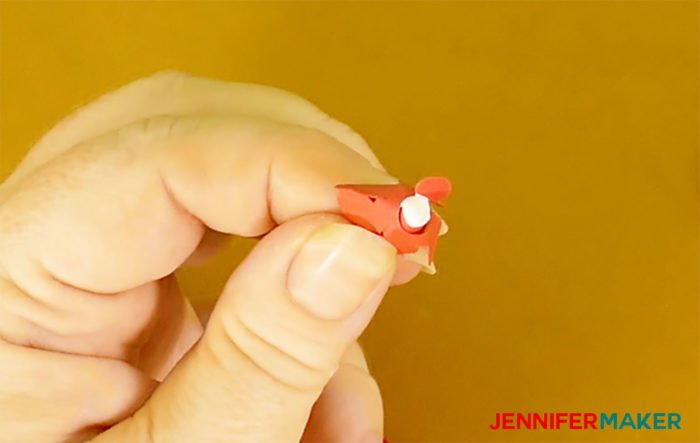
<point>337,268</point>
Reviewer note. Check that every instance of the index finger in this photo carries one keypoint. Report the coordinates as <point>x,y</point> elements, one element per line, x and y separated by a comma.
<point>179,94</point>
<point>130,206</point>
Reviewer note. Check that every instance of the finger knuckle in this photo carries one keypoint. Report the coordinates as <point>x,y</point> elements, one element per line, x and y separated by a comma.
<point>278,363</point>
<point>155,128</point>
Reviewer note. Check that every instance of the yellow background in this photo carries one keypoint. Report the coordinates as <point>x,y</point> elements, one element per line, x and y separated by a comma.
<point>569,280</point>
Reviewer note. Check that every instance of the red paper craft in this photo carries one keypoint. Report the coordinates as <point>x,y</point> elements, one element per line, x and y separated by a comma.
<point>399,213</point>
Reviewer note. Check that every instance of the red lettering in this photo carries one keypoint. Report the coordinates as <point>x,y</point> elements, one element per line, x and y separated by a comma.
<point>541,419</point>
<point>589,419</point>
<point>508,420</point>
<point>498,422</point>
<point>524,419</point>
<point>561,418</point>
<point>575,420</point>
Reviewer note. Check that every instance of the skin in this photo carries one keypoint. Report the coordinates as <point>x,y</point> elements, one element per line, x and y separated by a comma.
<point>97,343</point>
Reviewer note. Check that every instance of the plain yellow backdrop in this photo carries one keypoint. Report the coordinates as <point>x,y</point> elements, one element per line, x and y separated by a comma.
<point>569,280</point>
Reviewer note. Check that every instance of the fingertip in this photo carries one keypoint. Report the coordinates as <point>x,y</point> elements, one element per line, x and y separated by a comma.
<point>406,271</point>
<point>338,267</point>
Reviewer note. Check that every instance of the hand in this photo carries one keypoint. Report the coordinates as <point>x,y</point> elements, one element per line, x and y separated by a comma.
<point>98,343</point>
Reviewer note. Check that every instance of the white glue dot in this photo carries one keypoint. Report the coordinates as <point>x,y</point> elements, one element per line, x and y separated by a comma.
<point>416,211</point>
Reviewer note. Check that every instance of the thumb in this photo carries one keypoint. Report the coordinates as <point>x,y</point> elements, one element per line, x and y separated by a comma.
<point>274,340</point>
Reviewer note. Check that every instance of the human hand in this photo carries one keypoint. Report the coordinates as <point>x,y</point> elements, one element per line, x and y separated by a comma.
<point>97,341</point>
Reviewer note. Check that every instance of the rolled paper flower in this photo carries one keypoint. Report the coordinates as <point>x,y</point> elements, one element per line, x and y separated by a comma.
<point>401,214</point>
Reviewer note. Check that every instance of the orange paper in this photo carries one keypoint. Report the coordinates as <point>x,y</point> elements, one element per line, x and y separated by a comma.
<point>378,208</point>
